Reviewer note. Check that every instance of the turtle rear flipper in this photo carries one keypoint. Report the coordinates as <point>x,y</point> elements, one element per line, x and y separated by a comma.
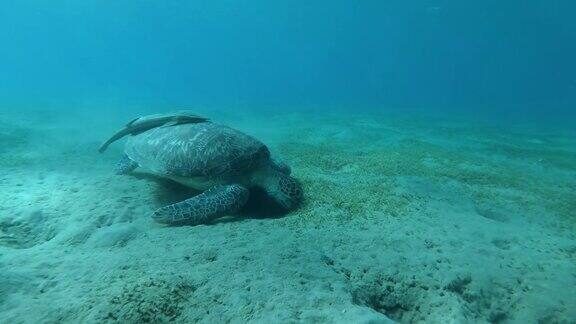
<point>125,165</point>
<point>209,205</point>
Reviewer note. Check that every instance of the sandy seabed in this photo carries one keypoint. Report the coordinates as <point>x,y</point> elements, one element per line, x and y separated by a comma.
<point>406,219</point>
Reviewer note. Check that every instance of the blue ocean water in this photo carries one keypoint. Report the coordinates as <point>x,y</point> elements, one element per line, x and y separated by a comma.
<point>433,140</point>
<point>504,57</point>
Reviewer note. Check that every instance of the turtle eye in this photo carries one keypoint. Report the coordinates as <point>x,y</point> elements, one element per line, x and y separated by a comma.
<point>281,167</point>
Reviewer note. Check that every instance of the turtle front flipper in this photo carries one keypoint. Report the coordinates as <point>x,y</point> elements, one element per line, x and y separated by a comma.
<point>125,165</point>
<point>209,205</point>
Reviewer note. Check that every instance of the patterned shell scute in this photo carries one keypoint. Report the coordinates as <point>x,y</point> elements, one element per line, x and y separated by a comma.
<point>196,150</point>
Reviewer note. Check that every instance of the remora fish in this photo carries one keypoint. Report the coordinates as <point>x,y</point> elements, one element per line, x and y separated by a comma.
<point>144,123</point>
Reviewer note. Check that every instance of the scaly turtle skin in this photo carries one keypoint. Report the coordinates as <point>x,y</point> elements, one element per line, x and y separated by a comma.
<point>221,161</point>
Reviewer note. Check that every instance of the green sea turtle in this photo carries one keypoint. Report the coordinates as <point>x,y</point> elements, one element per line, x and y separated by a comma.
<point>223,162</point>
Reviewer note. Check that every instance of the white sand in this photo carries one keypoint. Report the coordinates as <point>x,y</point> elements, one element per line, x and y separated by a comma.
<point>77,243</point>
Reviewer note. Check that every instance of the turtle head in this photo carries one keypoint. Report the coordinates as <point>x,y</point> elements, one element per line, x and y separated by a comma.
<point>287,191</point>
<point>284,189</point>
<point>280,166</point>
